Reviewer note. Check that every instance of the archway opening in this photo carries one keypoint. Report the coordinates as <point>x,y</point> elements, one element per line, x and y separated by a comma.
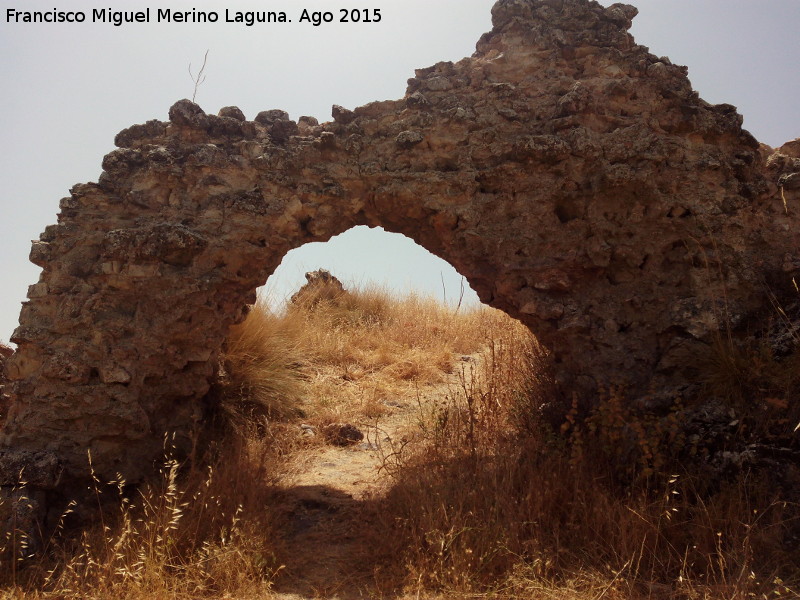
<point>354,381</point>
<point>354,328</point>
<point>371,255</point>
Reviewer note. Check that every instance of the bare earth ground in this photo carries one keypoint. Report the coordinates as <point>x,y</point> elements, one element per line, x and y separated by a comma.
<point>328,502</point>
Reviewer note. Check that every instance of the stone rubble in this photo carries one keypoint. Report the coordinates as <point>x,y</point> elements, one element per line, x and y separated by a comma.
<point>320,286</point>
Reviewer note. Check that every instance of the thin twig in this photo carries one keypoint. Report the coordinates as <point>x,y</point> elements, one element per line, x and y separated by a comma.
<point>200,77</point>
<point>460,295</point>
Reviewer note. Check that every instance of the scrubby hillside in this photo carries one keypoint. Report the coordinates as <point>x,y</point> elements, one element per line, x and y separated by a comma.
<point>464,485</point>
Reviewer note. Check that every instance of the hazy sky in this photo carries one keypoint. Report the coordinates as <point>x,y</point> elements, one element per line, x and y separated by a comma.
<point>67,89</point>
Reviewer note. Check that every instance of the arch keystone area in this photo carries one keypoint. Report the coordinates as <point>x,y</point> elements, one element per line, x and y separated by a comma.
<point>577,182</point>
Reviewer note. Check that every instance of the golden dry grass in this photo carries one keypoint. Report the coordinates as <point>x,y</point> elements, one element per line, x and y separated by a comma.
<point>344,359</point>
<point>496,503</point>
<point>264,366</point>
<point>191,532</point>
<point>488,502</point>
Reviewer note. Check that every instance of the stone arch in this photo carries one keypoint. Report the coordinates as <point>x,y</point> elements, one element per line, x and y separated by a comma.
<point>574,179</point>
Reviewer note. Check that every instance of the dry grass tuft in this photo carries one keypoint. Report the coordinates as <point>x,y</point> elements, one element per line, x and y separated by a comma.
<point>761,385</point>
<point>264,368</point>
<point>192,532</point>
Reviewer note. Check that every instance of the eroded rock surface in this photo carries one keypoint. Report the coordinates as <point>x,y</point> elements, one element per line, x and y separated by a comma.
<point>342,434</point>
<point>5,354</point>
<point>576,180</point>
<point>320,285</point>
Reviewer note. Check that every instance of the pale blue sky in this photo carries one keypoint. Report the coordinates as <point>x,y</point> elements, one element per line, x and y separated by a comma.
<point>68,89</point>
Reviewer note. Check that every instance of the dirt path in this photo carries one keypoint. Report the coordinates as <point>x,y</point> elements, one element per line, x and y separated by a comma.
<point>329,502</point>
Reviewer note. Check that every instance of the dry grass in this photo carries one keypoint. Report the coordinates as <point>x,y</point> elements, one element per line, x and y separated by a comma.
<point>264,366</point>
<point>488,501</point>
<point>192,532</point>
<point>496,503</point>
<point>761,386</point>
<point>365,349</point>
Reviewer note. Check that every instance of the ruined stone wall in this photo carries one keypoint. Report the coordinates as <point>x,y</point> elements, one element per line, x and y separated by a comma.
<point>574,179</point>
